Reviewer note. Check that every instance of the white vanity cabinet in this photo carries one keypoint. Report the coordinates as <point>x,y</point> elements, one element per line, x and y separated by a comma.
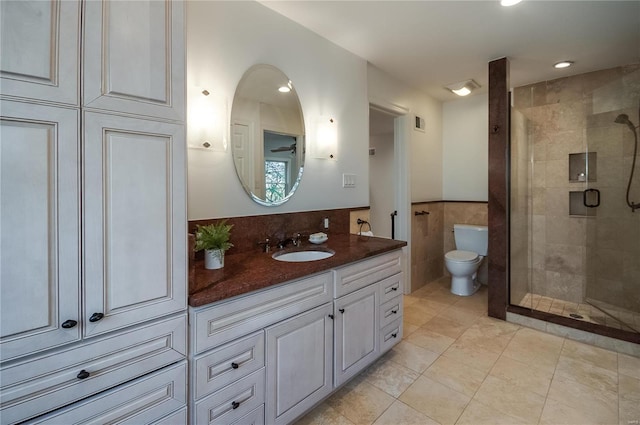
<point>133,57</point>
<point>236,345</point>
<point>40,45</point>
<point>356,332</point>
<point>93,210</point>
<point>40,222</point>
<point>299,364</point>
<point>269,356</point>
<point>362,313</point>
<point>134,221</point>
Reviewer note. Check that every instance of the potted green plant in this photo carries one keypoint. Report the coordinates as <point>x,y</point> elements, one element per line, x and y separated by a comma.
<point>214,239</point>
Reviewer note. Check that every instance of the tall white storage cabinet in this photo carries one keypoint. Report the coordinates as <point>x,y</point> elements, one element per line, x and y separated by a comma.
<point>92,211</point>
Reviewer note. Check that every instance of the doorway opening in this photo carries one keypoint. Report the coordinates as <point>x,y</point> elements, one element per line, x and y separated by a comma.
<point>383,212</point>
<point>389,201</point>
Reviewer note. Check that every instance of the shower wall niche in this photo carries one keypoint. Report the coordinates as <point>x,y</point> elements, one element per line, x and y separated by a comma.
<point>583,167</point>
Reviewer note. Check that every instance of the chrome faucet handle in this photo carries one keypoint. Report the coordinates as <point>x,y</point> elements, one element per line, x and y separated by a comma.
<point>297,239</point>
<point>265,245</point>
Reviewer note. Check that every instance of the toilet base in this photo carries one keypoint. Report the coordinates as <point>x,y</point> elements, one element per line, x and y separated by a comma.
<point>464,286</point>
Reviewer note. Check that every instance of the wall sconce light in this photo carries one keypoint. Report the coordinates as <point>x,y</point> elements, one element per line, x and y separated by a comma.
<point>463,88</point>
<point>206,120</point>
<point>326,138</point>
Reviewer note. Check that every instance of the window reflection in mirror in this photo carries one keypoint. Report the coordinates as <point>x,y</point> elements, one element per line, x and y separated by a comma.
<point>268,136</point>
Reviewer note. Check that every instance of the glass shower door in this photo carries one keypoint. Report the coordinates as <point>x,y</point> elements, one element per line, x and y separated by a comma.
<point>613,229</point>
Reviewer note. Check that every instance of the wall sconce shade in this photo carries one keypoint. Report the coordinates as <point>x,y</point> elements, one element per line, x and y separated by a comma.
<point>206,120</point>
<point>326,138</point>
<point>463,88</point>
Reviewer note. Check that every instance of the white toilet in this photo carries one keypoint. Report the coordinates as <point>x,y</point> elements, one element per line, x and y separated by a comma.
<point>464,262</point>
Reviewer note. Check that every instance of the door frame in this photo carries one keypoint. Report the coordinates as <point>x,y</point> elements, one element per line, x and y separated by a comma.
<point>401,172</point>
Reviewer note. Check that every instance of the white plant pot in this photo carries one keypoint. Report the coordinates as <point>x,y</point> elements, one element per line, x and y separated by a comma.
<point>213,259</point>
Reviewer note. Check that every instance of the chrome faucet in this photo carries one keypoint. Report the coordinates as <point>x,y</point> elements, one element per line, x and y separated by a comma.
<point>295,241</point>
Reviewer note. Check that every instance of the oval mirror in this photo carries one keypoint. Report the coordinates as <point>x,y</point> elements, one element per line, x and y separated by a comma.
<point>267,135</point>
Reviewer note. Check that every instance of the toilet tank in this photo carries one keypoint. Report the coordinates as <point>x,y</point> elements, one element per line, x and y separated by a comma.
<point>471,237</point>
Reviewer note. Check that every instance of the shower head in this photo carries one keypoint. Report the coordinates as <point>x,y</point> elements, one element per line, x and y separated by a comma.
<point>624,119</point>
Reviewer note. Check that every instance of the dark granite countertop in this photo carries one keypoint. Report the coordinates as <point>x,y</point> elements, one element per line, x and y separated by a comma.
<point>244,273</point>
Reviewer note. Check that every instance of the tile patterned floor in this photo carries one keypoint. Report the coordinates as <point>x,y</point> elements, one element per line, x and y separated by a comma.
<point>588,312</point>
<point>455,365</point>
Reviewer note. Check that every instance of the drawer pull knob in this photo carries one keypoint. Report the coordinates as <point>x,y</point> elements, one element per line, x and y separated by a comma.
<point>96,317</point>
<point>395,288</point>
<point>341,310</point>
<point>83,374</point>
<point>394,335</point>
<point>68,324</point>
<point>331,316</point>
<point>234,365</point>
<point>235,404</point>
<point>394,311</point>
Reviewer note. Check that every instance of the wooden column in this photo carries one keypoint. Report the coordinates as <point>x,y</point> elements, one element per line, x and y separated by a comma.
<point>499,136</point>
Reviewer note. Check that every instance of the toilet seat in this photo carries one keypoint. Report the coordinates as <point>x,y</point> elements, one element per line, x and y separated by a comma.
<point>459,256</point>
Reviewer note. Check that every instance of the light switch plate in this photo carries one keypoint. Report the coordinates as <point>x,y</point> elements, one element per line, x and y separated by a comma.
<point>349,180</point>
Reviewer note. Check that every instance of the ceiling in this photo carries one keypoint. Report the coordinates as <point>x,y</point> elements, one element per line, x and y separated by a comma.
<point>431,44</point>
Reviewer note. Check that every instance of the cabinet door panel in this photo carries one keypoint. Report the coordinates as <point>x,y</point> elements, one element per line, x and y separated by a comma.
<point>298,364</point>
<point>357,331</point>
<point>134,57</point>
<point>135,222</point>
<point>39,222</point>
<point>39,45</point>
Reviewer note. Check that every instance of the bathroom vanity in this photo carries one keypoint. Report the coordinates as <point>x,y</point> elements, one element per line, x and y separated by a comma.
<point>271,353</point>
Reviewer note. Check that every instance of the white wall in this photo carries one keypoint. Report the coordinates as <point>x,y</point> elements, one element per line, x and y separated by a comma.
<point>224,39</point>
<point>425,150</point>
<point>465,156</point>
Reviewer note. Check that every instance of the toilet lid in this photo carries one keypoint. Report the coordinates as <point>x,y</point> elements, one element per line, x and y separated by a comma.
<point>461,256</point>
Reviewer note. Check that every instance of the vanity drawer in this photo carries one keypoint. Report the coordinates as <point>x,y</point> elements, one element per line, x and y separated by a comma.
<point>232,402</point>
<point>227,364</point>
<point>390,311</point>
<point>390,335</point>
<point>142,401</point>
<point>366,272</point>
<point>176,418</point>
<point>391,287</point>
<point>222,322</point>
<point>39,385</point>
<point>255,417</point>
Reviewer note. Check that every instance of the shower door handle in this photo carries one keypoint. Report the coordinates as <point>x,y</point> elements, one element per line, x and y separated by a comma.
<point>585,195</point>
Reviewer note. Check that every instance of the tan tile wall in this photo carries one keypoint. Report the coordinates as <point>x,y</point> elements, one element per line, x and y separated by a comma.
<point>427,257</point>
<point>354,227</point>
<point>577,257</point>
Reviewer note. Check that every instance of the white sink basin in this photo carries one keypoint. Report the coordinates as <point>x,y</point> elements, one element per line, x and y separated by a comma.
<point>301,256</point>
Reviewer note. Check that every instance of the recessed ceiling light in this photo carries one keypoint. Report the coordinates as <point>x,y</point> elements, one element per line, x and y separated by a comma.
<point>509,2</point>
<point>563,64</point>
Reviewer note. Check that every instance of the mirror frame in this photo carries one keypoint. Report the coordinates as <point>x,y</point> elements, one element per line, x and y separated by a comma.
<point>296,175</point>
